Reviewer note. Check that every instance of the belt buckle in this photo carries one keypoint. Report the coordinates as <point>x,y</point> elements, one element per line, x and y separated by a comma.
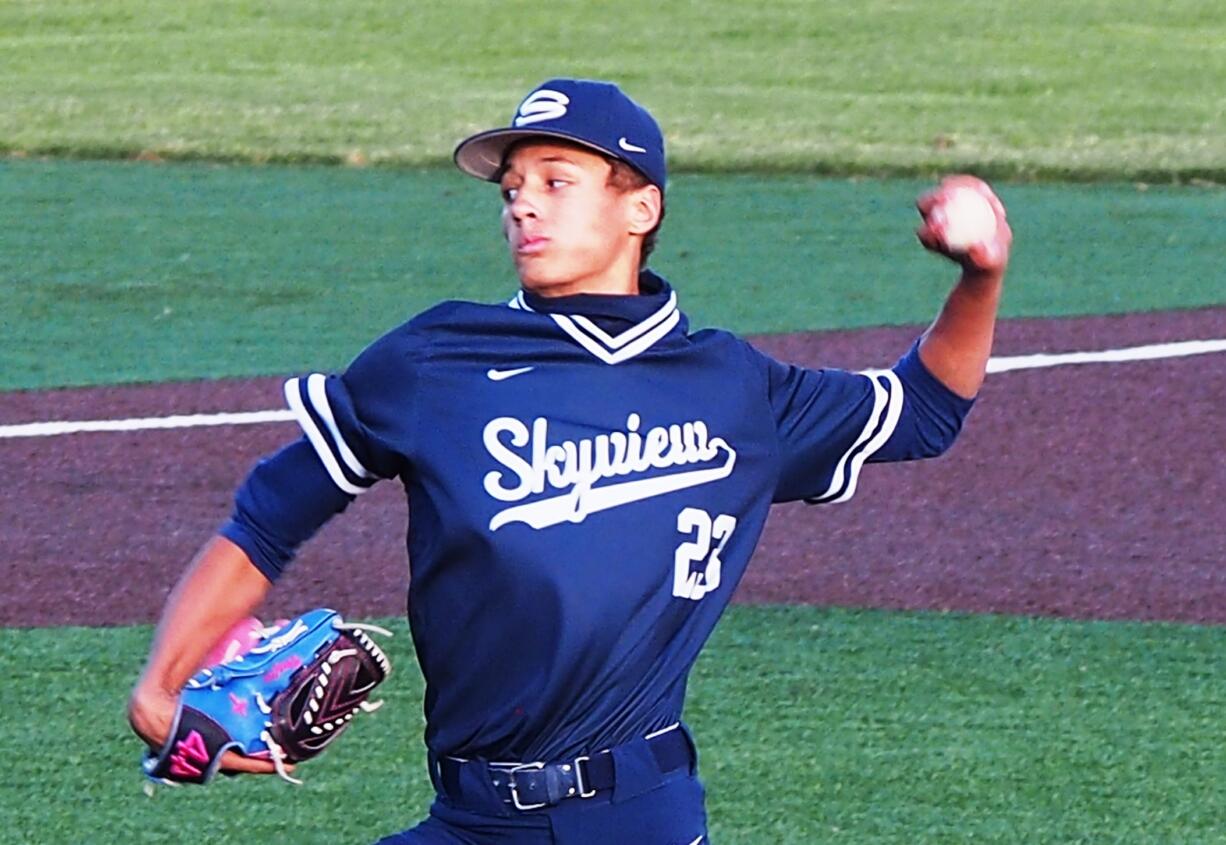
<point>515,792</point>
<point>583,790</point>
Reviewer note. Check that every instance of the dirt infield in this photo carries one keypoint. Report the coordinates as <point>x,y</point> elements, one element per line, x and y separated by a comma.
<point>1092,491</point>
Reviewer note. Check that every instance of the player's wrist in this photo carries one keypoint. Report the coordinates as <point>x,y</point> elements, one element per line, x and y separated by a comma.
<point>979,278</point>
<point>151,711</point>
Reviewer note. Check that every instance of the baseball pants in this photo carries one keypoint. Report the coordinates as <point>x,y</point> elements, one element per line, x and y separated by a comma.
<point>673,814</point>
<point>644,807</point>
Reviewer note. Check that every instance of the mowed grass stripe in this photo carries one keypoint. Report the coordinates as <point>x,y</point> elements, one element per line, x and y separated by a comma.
<point>1128,89</point>
<point>814,725</point>
<point>124,272</point>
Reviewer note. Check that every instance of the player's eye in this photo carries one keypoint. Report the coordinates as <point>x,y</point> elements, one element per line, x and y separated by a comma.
<point>558,183</point>
<point>509,194</point>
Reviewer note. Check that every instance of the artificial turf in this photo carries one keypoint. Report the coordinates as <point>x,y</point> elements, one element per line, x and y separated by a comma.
<point>814,725</point>
<point>115,272</point>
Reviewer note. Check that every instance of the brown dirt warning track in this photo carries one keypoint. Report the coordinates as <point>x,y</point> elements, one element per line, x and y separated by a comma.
<point>1090,491</point>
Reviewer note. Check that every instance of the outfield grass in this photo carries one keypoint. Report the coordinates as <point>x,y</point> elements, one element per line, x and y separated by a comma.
<point>126,272</point>
<point>814,726</point>
<point>1127,88</point>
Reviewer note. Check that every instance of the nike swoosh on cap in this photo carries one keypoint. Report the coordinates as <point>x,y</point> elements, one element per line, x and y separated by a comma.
<point>629,147</point>
<point>500,375</point>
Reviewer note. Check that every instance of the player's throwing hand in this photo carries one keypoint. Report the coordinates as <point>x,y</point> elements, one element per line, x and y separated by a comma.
<point>965,221</point>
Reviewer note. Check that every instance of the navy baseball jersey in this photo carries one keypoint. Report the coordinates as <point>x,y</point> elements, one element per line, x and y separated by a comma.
<point>586,482</point>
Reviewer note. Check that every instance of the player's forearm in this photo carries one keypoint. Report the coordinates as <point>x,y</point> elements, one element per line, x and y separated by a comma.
<point>965,221</point>
<point>957,346</point>
<point>220,588</point>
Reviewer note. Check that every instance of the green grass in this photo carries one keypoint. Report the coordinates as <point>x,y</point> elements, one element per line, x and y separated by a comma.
<point>1119,88</point>
<point>814,726</point>
<point>126,272</point>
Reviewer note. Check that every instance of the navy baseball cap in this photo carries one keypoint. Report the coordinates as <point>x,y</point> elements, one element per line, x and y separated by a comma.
<point>588,112</point>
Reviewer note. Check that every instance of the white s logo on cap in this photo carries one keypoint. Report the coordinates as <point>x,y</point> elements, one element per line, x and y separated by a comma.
<point>542,105</point>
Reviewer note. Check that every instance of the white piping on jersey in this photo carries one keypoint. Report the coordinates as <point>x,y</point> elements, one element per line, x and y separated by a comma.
<point>318,395</point>
<point>293,398</point>
<point>635,348</point>
<point>608,348</point>
<point>887,400</point>
<point>663,731</point>
<point>661,314</point>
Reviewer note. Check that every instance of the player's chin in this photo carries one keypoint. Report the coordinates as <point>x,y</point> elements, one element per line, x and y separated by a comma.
<point>539,275</point>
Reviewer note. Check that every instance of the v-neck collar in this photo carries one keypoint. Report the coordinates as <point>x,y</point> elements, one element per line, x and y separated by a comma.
<point>629,324</point>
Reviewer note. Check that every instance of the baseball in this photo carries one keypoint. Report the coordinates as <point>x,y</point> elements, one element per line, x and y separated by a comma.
<point>236,642</point>
<point>969,219</point>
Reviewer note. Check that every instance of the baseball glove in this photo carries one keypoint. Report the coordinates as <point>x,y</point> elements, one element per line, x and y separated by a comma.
<point>285,699</point>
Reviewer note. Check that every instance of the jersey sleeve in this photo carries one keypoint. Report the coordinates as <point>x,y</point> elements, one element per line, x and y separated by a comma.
<point>831,422</point>
<point>284,500</point>
<point>361,423</point>
<point>358,427</point>
<point>932,414</point>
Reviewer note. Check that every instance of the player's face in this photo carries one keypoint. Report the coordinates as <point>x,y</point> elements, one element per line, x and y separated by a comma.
<point>569,231</point>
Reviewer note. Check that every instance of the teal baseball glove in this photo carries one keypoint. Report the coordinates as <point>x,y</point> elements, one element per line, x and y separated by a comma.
<point>285,699</point>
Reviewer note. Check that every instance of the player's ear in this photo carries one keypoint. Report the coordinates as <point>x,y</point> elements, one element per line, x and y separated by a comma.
<point>644,206</point>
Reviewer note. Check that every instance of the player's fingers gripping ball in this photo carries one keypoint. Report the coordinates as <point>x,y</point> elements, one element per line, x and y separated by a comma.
<point>285,699</point>
<point>965,220</point>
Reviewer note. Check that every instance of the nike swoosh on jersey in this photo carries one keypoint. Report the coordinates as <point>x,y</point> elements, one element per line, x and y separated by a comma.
<point>502,375</point>
<point>629,147</point>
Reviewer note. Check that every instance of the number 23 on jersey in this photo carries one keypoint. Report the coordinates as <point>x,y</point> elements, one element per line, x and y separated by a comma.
<point>703,531</point>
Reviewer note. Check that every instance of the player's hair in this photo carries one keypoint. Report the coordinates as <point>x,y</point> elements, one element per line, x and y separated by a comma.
<point>622,178</point>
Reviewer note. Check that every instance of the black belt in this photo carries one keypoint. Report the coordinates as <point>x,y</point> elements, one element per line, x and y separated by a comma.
<point>533,786</point>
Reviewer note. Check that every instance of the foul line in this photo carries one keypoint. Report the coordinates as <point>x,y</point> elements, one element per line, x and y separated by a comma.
<point>1002,364</point>
<point>49,429</point>
<point>1150,352</point>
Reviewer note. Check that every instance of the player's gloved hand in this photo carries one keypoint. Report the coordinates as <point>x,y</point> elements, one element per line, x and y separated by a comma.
<point>151,712</point>
<point>987,249</point>
<point>292,691</point>
<point>152,709</point>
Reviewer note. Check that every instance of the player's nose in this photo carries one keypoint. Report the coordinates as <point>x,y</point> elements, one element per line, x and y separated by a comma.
<point>522,206</point>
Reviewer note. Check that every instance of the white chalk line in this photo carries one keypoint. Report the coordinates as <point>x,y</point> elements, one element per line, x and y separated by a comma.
<point>1002,364</point>
<point>50,429</point>
<point>1150,352</point>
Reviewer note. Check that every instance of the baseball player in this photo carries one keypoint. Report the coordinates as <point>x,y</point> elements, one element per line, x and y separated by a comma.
<point>587,479</point>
